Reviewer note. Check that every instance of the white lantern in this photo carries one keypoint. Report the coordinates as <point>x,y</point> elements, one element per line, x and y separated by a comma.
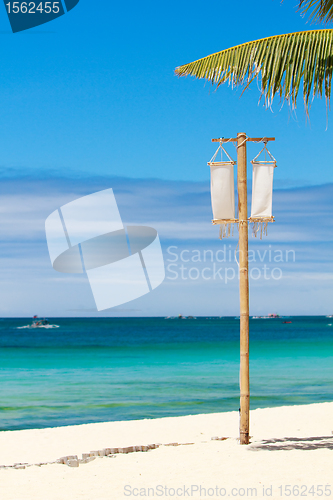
<point>262,189</point>
<point>222,187</point>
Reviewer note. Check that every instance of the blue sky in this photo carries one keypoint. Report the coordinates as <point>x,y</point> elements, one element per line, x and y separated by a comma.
<point>90,101</point>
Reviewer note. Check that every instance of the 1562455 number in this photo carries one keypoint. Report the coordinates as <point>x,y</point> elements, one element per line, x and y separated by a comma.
<point>303,491</point>
<point>32,7</point>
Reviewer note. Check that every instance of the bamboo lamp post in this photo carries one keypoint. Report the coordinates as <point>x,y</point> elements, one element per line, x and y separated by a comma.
<point>243,220</point>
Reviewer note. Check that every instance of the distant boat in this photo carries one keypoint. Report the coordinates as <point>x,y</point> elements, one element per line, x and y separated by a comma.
<point>39,323</point>
<point>270,316</point>
<point>180,316</point>
<point>286,322</point>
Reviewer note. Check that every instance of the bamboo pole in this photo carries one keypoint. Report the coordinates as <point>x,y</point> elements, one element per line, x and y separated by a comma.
<point>243,289</point>
<point>243,274</point>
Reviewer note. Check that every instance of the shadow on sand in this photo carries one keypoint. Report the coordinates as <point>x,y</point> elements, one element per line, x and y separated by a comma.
<point>295,443</point>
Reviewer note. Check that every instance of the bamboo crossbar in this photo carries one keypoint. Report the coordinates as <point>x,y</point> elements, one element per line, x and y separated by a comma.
<point>261,219</point>
<point>248,139</point>
<point>236,221</point>
<point>225,221</point>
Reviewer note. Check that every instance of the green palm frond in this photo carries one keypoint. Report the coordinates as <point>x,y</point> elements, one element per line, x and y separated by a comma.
<point>320,10</point>
<point>282,63</point>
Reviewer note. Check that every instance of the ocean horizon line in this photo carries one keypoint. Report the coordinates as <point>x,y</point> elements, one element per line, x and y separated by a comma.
<point>186,316</point>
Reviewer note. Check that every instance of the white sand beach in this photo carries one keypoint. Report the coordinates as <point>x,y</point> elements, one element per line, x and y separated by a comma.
<point>291,450</point>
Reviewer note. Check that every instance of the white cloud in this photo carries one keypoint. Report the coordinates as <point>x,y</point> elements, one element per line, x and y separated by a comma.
<point>181,213</point>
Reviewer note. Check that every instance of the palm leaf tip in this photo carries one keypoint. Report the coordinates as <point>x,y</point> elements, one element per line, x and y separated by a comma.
<point>284,64</point>
<point>319,10</point>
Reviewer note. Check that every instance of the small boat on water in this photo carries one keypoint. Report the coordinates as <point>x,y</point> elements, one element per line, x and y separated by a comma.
<point>270,316</point>
<point>180,316</point>
<point>39,323</point>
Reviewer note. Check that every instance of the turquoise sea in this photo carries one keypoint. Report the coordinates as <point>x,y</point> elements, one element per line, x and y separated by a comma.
<point>93,370</point>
